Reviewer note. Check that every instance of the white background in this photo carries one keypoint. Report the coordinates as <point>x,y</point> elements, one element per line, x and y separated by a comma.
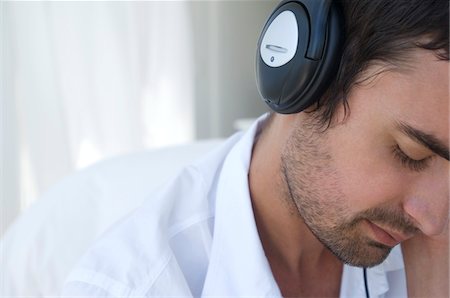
<point>84,81</point>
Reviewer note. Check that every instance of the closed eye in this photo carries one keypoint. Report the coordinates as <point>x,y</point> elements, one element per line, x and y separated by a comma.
<point>410,163</point>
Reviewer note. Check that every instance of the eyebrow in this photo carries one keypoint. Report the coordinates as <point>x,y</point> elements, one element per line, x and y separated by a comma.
<point>427,140</point>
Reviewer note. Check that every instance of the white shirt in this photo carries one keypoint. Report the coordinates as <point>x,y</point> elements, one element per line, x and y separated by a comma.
<point>198,237</point>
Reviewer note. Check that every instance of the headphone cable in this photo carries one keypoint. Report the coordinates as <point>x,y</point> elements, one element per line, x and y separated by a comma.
<point>365,282</point>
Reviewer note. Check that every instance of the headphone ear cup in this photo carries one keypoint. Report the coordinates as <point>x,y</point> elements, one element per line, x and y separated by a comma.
<point>330,62</point>
<point>297,84</point>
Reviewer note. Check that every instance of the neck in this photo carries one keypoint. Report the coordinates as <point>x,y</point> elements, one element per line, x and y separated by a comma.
<point>292,250</point>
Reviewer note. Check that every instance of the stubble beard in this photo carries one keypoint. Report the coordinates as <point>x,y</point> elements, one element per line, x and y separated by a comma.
<point>313,186</point>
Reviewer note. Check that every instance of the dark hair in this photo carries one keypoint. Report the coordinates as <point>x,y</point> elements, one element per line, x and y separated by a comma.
<point>383,31</point>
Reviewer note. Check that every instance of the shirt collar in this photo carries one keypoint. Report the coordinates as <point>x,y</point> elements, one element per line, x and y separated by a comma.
<point>238,265</point>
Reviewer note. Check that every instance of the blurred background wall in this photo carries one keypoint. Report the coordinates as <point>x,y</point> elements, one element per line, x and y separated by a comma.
<point>84,81</point>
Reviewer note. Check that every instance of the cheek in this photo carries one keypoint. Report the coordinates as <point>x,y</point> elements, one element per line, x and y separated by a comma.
<point>367,177</point>
<point>366,188</point>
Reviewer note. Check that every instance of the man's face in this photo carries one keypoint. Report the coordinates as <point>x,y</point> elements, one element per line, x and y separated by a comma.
<point>377,178</point>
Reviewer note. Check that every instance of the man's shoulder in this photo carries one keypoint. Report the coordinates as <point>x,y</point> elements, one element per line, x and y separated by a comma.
<point>138,248</point>
<point>145,245</point>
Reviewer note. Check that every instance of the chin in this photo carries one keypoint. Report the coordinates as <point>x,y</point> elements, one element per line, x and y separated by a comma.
<point>363,255</point>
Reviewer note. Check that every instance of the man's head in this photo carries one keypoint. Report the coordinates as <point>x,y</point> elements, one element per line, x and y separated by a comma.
<point>379,174</point>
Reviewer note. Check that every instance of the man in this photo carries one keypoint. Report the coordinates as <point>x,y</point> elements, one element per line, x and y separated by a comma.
<point>302,203</point>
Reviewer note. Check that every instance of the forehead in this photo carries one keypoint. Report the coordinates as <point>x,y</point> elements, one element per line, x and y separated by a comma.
<point>417,93</point>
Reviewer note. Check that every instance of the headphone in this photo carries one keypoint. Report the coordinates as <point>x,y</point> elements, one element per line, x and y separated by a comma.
<point>298,53</point>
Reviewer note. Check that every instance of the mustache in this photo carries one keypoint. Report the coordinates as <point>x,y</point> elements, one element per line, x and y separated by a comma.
<point>393,219</point>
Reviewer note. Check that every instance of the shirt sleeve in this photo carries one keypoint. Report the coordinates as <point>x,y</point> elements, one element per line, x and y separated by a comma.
<point>87,283</point>
<point>81,289</point>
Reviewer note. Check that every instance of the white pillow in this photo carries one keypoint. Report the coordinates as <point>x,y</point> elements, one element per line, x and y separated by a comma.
<point>45,242</point>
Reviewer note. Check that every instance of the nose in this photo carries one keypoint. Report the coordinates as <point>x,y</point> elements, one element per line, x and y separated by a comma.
<point>431,216</point>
